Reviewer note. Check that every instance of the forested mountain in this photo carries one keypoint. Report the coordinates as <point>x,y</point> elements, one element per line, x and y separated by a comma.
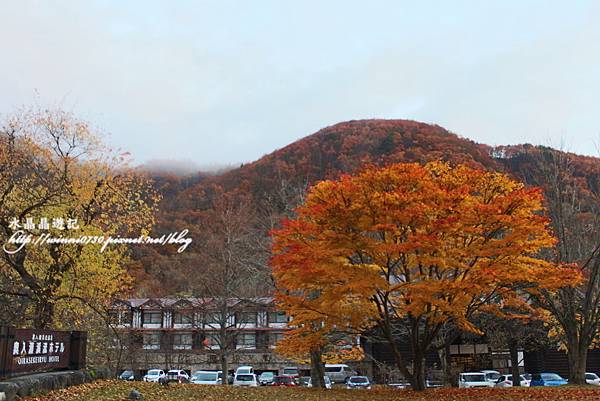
<point>273,180</point>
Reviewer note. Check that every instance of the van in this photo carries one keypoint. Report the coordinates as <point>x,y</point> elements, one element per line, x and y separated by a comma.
<point>339,373</point>
<point>206,377</point>
<point>473,379</point>
<point>244,370</point>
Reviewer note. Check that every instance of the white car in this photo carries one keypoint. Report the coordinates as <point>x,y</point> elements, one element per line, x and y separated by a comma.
<point>176,375</point>
<point>491,375</point>
<point>245,379</point>
<point>506,381</point>
<point>154,375</point>
<point>592,378</point>
<point>473,379</point>
<point>206,377</point>
<point>327,382</point>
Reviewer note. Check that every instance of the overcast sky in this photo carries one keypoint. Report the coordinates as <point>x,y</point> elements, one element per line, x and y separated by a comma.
<point>222,82</point>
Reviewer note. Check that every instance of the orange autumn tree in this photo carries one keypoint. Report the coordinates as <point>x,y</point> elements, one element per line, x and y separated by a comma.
<point>409,248</point>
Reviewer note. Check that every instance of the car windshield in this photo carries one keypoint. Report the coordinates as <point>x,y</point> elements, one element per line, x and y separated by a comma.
<point>492,376</point>
<point>244,378</point>
<point>153,372</point>
<point>243,370</point>
<point>591,376</point>
<point>551,376</point>
<point>173,372</point>
<point>282,379</point>
<point>266,375</point>
<point>205,377</point>
<point>359,379</point>
<point>333,369</point>
<point>127,373</point>
<point>290,371</point>
<point>474,378</point>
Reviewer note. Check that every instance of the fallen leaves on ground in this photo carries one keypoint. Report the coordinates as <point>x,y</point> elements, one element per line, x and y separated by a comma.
<point>114,390</point>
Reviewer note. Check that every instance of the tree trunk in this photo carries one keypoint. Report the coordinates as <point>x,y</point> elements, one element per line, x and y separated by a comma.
<point>418,373</point>
<point>317,370</point>
<point>577,364</point>
<point>224,368</point>
<point>43,314</point>
<point>514,363</point>
<point>446,365</point>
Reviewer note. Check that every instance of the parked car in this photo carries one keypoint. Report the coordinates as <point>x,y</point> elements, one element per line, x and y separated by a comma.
<point>327,382</point>
<point>432,383</point>
<point>547,379</point>
<point>358,382</point>
<point>266,378</point>
<point>127,375</point>
<point>473,379</point>
<point>285,381</point>
<point>506,381</point>
<point>179,376</point>
<point>339,373</point>
<point>491,375</point>
<point>244,370</point>
<point>592,378</point>
<point>291,371</point>
<point>304,380</point>
<point>207,377</point>
<point>154,375</point>
<point>245,379</point>
<point>400,384</point>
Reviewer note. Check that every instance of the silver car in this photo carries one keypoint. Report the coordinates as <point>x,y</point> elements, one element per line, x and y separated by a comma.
<point>339,373</point>
<point>506,381</point>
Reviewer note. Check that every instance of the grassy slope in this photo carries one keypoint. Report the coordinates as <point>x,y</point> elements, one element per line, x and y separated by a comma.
<point>118,391</point>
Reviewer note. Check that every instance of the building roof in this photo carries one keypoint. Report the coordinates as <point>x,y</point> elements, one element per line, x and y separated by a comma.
<point>173,302</point>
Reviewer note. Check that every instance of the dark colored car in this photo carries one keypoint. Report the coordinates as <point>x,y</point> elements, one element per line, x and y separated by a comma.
<point>285,381</point>
<point>358,382</point>
<point>127,375</point>
<point>547,379</point>
<point>303,381</point>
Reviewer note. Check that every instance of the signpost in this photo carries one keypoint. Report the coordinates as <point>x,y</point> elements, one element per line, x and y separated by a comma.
<point>31,350</point>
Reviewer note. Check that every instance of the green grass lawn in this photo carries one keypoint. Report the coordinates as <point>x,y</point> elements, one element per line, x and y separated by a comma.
<point>119,390</point>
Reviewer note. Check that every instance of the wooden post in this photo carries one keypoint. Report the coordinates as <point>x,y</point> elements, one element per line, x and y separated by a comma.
<point>78,350</point>
<point>7,335</point>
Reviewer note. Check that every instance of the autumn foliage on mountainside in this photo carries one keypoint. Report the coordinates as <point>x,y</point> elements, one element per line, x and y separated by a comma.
<point>424,245</point>
<point>341,148</point>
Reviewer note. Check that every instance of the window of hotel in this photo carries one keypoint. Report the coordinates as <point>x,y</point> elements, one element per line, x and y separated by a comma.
<point>151,341</point>
<point>247,318</point>
<point>182,318</point>
<point>246,340</point>
<point>120,317</point>
<point>277,317</point>
<point>212,341</point>
<point>212,318</point>
<point>274,338</point>
<point>152,318</point>
<point>182,341</point>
